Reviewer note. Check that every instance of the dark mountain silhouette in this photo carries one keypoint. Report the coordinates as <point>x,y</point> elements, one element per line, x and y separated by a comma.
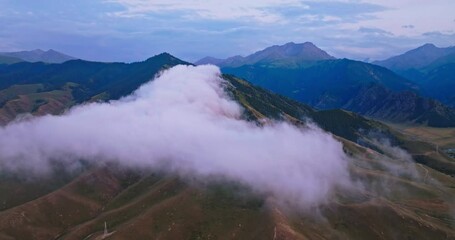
<point>364,88</point>
<point>431,68</point>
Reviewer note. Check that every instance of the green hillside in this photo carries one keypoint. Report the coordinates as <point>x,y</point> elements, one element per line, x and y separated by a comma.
<point>70,83</point>
<point>355,86</point>
<point>431,68</point>
<point>143,204</point>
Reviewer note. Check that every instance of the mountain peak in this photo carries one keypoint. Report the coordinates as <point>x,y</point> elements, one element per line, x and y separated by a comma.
<point>292,47</point>
<point>289,54</point>
<point>428,45</point>
<point>290,44</point>
<point>163,55</point>
<point>306,51</point>
<point>165,58</point>
<point>209,60</point>
<point>416,58</point>
<point>309,44</point>
<point>37,51</point>
<point>303,44</point>
<point>51,51</point>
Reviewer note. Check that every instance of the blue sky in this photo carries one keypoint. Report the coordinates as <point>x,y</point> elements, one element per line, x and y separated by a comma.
<point>133,30</point>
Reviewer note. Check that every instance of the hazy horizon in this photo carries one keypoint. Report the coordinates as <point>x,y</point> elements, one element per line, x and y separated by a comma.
<point>133,30</point>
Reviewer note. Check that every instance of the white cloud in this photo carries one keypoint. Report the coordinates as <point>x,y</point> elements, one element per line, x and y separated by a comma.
<point>366,51</point>
<point>257,10</point>
<point>424,15</point>
<point>183,122</point>
<point>193,29</point>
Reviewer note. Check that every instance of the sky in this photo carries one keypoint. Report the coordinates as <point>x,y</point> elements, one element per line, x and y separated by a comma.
<point>134,30</point>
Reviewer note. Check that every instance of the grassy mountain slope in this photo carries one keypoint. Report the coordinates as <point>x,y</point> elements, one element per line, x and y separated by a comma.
<point>431,68</point>
<point>323,84</point>
<point>356,86</point>
<point>439,82</point>
<point>39,88</point>
<point>50,89</point>
<point>260,104</point>
<point>405,107</point>
<point>158,206</point>
<point>144,204</point>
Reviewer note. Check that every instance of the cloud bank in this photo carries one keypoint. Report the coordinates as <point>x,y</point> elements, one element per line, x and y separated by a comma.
<point>123,30</point>
<point>254,10</point>
<point>185,123</point>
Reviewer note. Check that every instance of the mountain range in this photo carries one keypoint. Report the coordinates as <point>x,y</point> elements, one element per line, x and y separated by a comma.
<point>431,68</point>
<point>110,202</point>
<point>289,54</point>
<point>307,74</point>
<point>40,89</point>
<point>51,88</point>
<point>37,55</point>
<point>418,58</point>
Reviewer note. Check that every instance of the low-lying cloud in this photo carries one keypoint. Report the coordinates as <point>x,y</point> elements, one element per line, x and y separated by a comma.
<point>185,123</point>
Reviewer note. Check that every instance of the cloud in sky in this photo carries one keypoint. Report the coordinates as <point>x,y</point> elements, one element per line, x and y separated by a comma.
<point>374,31</point>
<point>184,122</point>
<point>256,10</point>
<point>132,30</point>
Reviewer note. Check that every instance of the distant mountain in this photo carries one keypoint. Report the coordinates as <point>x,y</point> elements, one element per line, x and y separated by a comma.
<point>210,60</point>
<point>381,103</point>
<point>416,58</point>
<point>447,59</point>
<point>324,84</point>
<point>364,88</point>
<point>38,55</point>
<point>439,83</point>
<point>289,54</point>
<point>309,75</point>
<point>431,68</point>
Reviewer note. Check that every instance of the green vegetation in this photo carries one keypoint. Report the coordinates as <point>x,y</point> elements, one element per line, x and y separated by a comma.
<point>29,87</point>
<point>363,88</point>
<point>430,67</point>
<point>142,204</point>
